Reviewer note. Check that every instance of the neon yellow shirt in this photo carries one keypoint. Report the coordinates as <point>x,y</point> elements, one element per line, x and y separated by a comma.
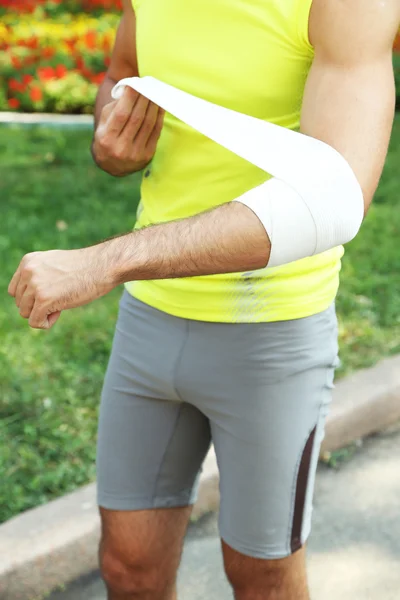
<point>252,56</point>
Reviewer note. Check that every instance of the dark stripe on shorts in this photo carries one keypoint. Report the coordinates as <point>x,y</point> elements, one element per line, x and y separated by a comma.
<point>301,490</point>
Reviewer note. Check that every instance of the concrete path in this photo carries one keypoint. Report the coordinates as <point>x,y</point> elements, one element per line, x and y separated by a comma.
<point>354,552</point>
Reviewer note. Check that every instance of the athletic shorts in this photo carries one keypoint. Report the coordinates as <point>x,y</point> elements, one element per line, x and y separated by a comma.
<point>259,392</point>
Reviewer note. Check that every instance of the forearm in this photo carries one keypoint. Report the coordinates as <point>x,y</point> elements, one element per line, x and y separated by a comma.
<point>228,239</point>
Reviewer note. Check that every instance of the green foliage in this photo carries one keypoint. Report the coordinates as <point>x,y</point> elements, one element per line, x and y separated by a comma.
<point>369,298</point>
<point>70,94</point>
<point>54,197</point>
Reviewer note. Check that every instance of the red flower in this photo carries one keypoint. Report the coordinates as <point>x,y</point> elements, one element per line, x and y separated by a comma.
<point>15,86</point>
<point>97,78</point>
<point>27,79</point>
<point>80,63</point>
<point>107,61</point>
<point>87,73</point>
<point>14,103</point>
<point>45,73</point>
<point>36,94</point>
<point>60,71</point>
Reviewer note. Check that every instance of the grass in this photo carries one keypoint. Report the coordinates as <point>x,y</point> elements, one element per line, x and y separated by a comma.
<point>53,196</point>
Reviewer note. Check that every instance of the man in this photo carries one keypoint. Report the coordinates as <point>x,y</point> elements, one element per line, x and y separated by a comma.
<point>243,355</point>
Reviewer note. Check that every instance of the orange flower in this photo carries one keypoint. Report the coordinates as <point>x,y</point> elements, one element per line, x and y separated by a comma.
<point>32,43</point>
<point>71,42</point>
<point>45,73</point>
<point>36,94</point>
<point>48,52</point>
<point>16,63</point>
<point>90,39</point>
<point>14,103</point>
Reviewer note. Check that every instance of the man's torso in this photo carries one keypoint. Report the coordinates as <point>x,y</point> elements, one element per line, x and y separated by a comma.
<point>253,57</point>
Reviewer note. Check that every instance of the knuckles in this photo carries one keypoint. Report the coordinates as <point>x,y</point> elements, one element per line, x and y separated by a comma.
<point>106,149</point>
<point>42,297</point>
<point>29,264</point>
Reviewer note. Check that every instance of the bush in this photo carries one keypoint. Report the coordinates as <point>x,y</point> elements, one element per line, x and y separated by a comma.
<point>52,60</point>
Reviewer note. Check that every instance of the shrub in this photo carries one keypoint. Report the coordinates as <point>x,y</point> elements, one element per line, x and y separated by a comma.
<point>52,60</point>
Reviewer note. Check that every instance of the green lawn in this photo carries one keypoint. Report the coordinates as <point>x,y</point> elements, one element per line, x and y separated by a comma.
<point>53,196</point>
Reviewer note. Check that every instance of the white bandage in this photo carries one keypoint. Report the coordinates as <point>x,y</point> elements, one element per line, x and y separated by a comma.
<point>314,202</point>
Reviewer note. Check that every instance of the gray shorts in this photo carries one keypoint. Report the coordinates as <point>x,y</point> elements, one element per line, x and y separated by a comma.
<point>259,392</point>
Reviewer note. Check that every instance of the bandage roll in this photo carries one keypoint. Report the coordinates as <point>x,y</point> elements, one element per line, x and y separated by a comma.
<point>314,201</point>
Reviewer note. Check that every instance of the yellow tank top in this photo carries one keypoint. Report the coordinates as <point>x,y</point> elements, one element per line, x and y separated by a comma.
<point>252,56</point>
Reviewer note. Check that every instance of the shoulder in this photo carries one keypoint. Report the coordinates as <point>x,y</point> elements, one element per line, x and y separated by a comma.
<point>354,30</point>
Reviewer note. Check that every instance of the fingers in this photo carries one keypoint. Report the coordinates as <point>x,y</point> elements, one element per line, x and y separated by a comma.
<point>121,112</point>
<point>147,127</point>
<point>40,321</point>
<point>13,285</point>
<point>155,134</point>
<point>21,288</point>
<point>26,305</point>
<point>135,122</point>
<point>53,318</point>
<point>40,318</point>
<point>107,110</point>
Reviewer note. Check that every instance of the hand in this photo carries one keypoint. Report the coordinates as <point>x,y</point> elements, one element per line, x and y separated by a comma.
<point>126,137</point>
<point>46,283</point>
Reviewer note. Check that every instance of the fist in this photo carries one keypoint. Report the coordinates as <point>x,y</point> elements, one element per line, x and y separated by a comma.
<point>126,137</point>
<point>47,283</point>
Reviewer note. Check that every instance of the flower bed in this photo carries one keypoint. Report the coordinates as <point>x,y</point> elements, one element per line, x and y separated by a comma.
<point>52,60</point>
<point>54,53</point>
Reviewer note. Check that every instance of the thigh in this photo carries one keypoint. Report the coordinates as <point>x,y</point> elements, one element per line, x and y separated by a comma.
<point>151,444</point>
<point>268,435</point>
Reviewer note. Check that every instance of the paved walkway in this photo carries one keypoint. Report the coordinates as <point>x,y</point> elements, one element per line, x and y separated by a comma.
<point>354,553</point>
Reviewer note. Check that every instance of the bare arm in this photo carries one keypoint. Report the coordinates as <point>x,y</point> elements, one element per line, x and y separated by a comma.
<point>349,98</point>
<point>127,130</point>
<point>123,59</point>
<point>348,103</point>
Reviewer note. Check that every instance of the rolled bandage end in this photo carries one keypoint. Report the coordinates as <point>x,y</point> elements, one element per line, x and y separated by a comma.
<point>119,88</point>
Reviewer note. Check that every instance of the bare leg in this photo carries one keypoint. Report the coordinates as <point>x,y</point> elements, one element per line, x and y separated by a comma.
<point>140,552</point>
<point>260,579</point>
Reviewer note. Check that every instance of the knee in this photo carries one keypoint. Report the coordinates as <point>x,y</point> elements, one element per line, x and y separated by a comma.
<point>248,584</point>
<point>277,579</point>
<point>133,577</point>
